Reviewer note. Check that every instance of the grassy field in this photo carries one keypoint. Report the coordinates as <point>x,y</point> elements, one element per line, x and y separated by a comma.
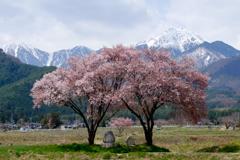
<point>183,143</point>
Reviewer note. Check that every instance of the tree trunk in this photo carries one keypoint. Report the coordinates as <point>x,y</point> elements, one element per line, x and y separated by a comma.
<point>148,137</point>
<point>91,137</point>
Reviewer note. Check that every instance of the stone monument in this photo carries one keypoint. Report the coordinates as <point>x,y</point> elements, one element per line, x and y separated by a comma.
<point>209,127</point>
<point>109,140</point>
<point>130,141</point>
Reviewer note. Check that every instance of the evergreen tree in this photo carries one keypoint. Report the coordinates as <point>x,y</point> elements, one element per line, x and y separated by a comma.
<point>40,117</point>
<point>25,118</point>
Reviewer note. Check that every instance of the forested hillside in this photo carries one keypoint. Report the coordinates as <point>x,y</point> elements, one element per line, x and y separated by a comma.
<point>16,80</point>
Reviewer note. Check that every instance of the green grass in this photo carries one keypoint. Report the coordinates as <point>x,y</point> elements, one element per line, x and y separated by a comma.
<point>74,147</point>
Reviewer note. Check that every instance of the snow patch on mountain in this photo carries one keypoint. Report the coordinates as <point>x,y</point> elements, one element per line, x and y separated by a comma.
<point>50,58</point>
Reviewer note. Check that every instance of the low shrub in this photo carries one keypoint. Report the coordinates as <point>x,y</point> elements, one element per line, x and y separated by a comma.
<point>227,148</point>
<point>121,149</point>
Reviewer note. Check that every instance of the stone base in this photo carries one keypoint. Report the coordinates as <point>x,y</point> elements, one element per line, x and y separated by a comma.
<point>106,145</point>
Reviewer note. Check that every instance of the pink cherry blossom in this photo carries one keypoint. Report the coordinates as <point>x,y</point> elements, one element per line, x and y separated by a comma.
<point>121,123</point>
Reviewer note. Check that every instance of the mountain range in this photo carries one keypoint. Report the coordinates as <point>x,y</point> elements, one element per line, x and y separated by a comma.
<point>181,42</point>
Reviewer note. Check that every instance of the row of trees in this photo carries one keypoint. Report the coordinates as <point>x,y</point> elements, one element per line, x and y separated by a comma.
<point>125,78</point>
<point>16,118</point>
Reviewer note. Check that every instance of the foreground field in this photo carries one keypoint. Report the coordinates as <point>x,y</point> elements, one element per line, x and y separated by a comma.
<point>183,143</point>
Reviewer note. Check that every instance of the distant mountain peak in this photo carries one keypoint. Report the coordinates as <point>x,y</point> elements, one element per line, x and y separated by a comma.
<point>179,40</point>
<point>207,53</point>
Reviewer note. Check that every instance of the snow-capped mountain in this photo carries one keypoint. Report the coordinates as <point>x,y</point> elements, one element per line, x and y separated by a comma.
<point>59,58</point>
<point>27,54</point>
<point>203,57</point>
<point>176,40</point>
<point>183,42</point>
<point>207,53</point>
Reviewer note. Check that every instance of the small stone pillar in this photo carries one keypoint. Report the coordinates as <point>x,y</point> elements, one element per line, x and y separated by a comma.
<point>130,141</point>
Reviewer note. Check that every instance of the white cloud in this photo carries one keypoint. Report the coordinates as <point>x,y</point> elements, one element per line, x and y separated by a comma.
<point>52,25</point>
<point>214,20</point>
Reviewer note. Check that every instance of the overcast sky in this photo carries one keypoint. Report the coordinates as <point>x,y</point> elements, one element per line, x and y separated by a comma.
<point>51,25</point>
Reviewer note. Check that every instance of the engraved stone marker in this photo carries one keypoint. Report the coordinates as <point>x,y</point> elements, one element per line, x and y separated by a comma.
<point>109,140</point>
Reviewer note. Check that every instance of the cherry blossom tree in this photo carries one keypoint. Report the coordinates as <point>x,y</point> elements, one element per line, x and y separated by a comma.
<point>121,123</point>
<point>142,81</point>
<point>86,86</point>
<point>152,80</point>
